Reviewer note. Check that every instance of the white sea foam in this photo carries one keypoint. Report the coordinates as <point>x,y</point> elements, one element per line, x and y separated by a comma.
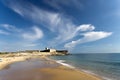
<point>90,72</point>
<point>106,78</point>
<point>62,62</point>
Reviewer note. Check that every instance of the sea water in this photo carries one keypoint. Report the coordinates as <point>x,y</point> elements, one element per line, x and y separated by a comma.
<point>105,65</point>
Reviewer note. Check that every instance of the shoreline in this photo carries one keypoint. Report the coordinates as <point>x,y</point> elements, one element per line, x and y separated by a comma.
<point>61,70</point>
<point>65,65</point>
<point>81,70</point>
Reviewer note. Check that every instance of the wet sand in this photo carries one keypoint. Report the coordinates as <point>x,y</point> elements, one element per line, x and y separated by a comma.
<point>40,69</point>
<point>62,73</point>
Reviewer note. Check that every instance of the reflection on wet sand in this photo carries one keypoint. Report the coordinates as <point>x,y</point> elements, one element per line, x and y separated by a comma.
<point>25,70</point>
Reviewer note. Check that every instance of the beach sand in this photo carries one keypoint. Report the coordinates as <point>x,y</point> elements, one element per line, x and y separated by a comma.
<point>9,60</point>
<point>58,72</point>
<point>67,74</point>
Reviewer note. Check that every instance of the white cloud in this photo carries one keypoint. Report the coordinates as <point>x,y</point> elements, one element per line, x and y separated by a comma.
<point>85,27</point>
<point>30,45</point>
<point>62,26</point>
<point>4,32</point>
<point>53,21</point>
<point>18,45</point>
<point>30,35</point>
<point>35,35</point>
<point>10,27</point>
<point>88,37</point>
<point>35,14</point>
<point>72,31</point>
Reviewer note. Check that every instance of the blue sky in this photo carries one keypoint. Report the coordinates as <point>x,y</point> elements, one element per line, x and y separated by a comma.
<point>81,26</point>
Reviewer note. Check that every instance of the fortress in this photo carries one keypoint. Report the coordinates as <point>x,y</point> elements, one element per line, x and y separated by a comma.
<point>55,52</point>
<point>46,51</point>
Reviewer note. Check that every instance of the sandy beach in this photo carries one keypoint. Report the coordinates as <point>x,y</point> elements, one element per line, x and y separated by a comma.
<point>10,60</point>
<point>50,70</point>
<point>62,73</point>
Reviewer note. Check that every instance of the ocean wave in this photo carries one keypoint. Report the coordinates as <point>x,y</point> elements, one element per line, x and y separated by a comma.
<point>62,62</point>
<point>106,78</point>
<point>88,71</point>
<point>91,72</point>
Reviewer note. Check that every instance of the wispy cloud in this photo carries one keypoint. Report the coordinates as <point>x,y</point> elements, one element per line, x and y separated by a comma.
<point>57,23</point>
<point>4,32</point>
<point>18,45</point>
<point>72,31</point>
<point>88,37</point>
<point>35,14</point>
<point>26,38</point>
<point>35,34</point>
<point>30,45</point>
<point>9,27</point>
<point>85,27</point>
